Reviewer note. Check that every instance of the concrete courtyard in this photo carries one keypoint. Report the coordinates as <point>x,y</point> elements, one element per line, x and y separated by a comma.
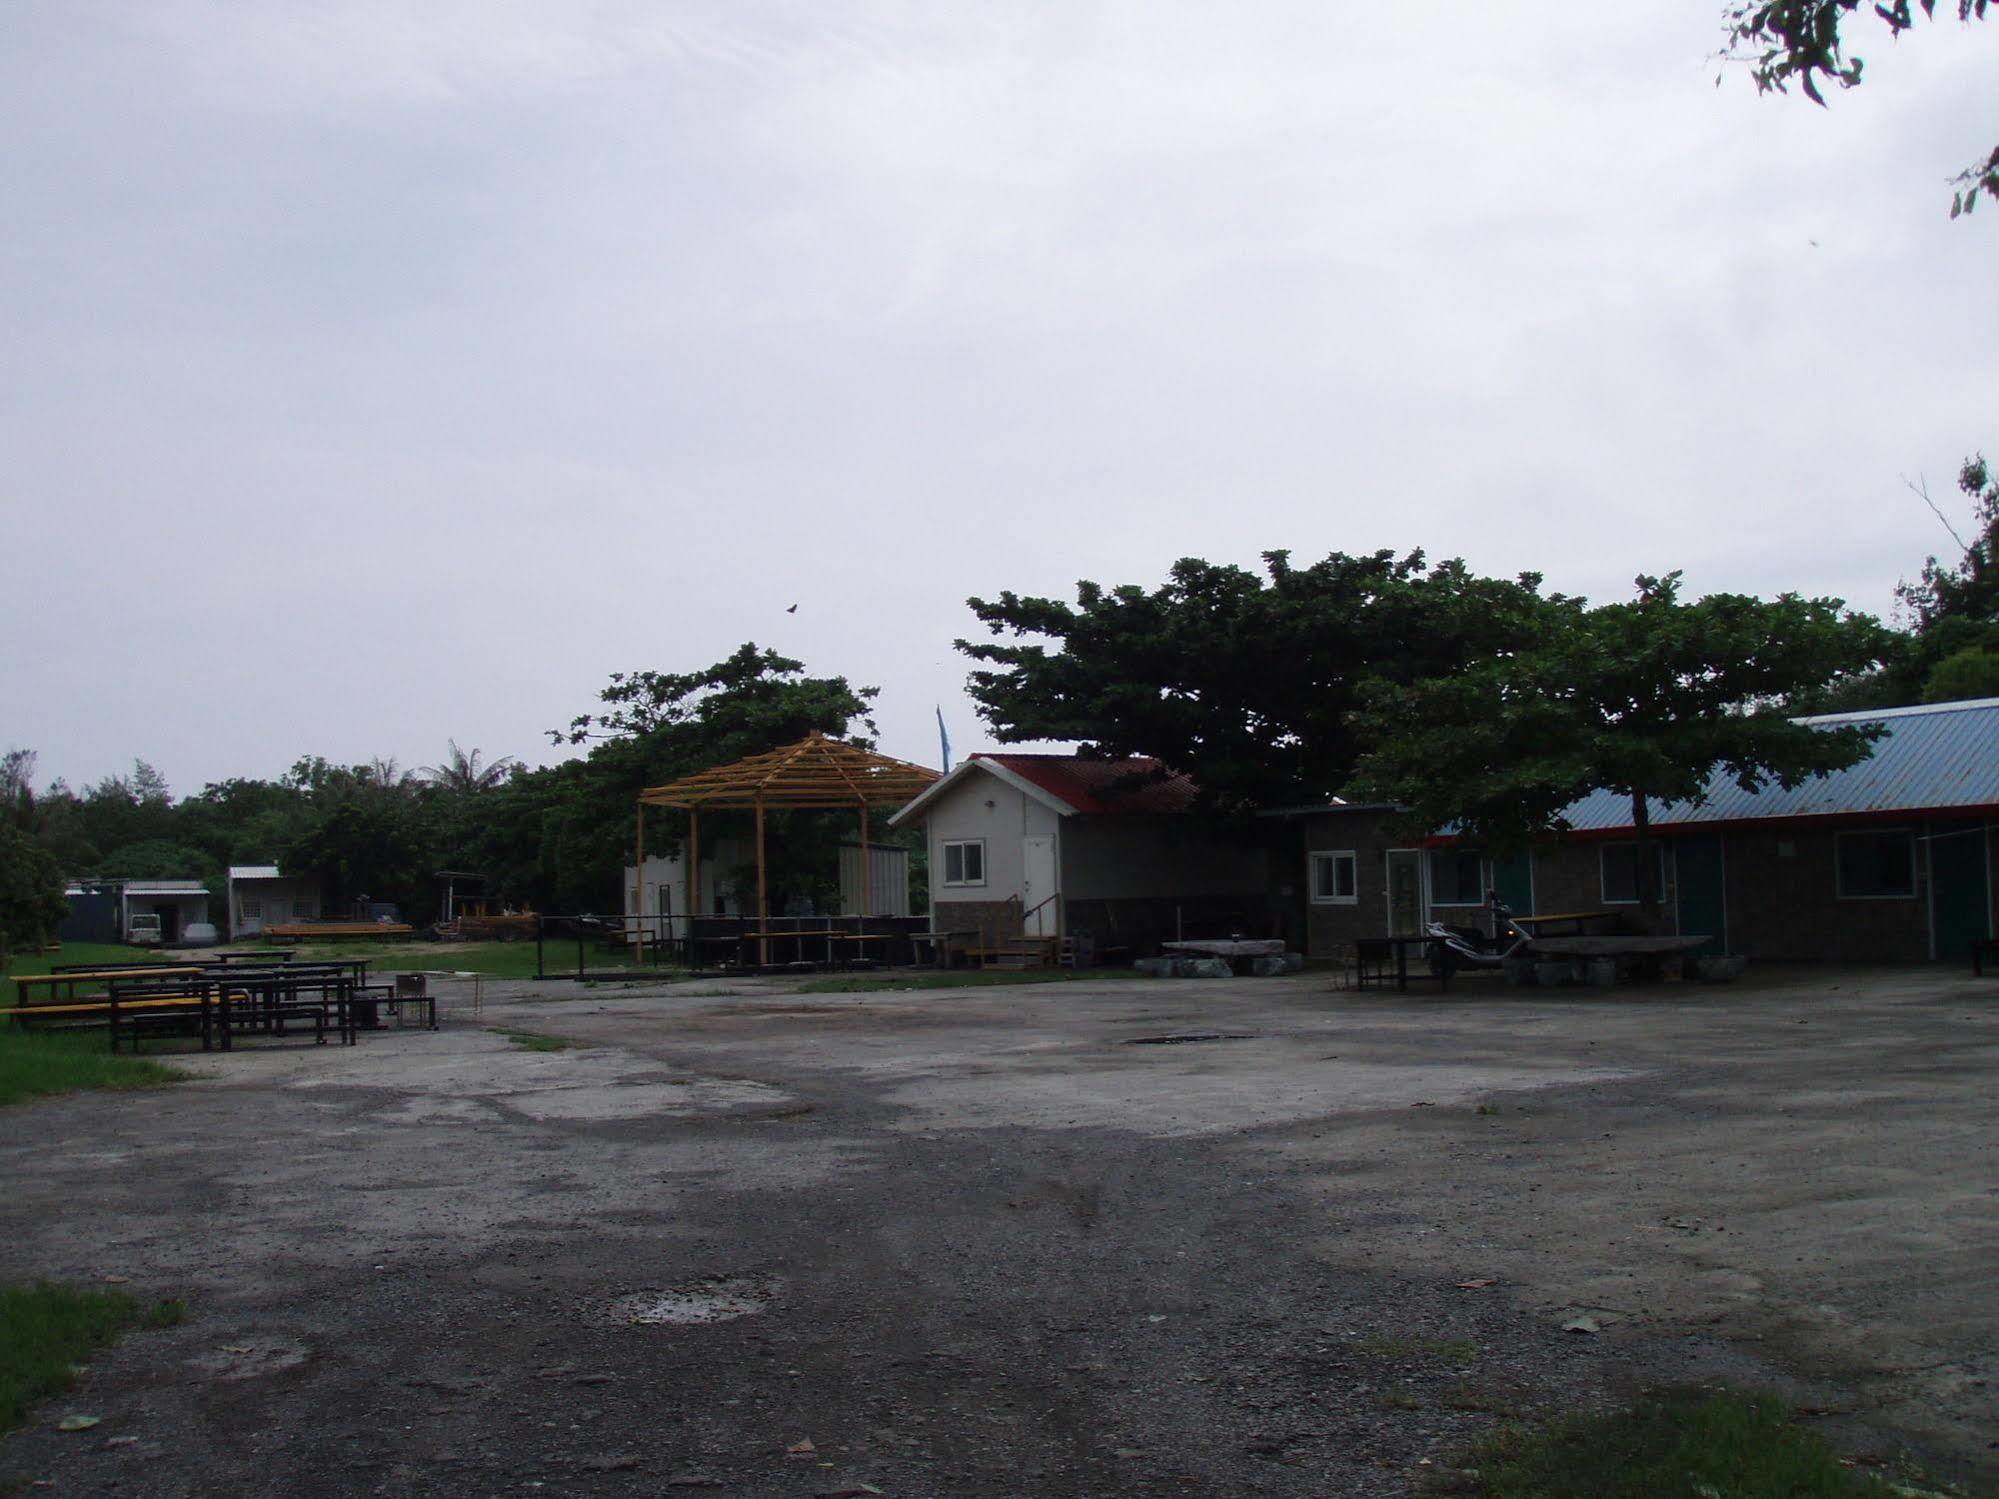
<point>1187,1237</point>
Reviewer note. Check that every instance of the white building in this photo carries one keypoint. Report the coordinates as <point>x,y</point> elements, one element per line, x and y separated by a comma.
<point>259,895</point>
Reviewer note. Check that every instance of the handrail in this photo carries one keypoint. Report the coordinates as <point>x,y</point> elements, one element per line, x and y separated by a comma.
<point>1049,900</point>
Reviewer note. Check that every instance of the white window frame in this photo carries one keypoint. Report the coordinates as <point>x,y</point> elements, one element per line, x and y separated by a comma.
<point>1915,872</point>
<point>1333,856</point>
<point>944,848</point>
<point>249,910</point>
<point>1603,884</point>
<point>1430,872</point>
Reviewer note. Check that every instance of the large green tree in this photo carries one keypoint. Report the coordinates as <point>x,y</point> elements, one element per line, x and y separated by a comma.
<point>1653,699</point>
<point>1951,646</point>
<point>655,727</point>
<point>31,898</point>
<point>1804,41</point>
<point>1246,683</point>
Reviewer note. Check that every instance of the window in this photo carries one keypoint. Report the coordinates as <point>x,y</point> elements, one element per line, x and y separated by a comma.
<point>965,862</point>
<point>253,910</point>
<point>1618,865</point>
<point>1333,876</point>
<point>304,910</point>
<point>1876,866</point>
<point>1457,877</point>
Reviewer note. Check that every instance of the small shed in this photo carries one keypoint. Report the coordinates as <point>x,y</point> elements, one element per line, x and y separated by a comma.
<point>260,895</point>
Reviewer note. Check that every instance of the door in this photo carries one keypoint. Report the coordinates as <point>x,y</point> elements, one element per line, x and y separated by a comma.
<point>170,924</point>
<point>1513,882</point>
<point>1960,906</point>
<point>1039,916</point>
<point>1405,892</point>
<point>1703,888</point>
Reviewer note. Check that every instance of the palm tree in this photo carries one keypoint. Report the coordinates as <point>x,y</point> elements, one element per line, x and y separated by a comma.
<point>462,773</point>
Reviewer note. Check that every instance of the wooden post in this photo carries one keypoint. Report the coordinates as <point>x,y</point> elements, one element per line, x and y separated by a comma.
<point>763,909</point>
<point>867,874</point>
<point>693,884</point>
<point>639,884</point>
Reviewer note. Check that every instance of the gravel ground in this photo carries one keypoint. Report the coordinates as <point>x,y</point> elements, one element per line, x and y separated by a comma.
<point>978,1242</point>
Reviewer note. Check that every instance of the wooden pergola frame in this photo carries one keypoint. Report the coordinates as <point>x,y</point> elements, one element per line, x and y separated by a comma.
<point>815,774</point>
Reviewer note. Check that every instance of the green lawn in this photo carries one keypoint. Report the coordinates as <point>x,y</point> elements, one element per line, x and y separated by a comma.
<point>72,953</point>
<point>1733,1444</point>
<point>507,960</point>
<point>898,980</point>
<point>46,1330</point>
<point>33,1064</point>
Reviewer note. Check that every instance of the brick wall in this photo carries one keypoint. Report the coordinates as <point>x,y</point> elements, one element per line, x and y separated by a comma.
<point>1568,876</point>
<point>1330,928</point>
<point>1784,906</point>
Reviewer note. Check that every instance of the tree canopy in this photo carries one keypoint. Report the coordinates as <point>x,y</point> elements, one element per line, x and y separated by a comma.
<point>1786,41</point>
<point>1243,682</point>
<point>554,838</point>
<point>1651,699</point>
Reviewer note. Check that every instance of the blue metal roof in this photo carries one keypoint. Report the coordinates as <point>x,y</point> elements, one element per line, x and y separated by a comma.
<point>1940,758</point>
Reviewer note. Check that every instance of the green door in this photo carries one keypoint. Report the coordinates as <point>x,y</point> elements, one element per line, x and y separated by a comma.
<point>1960,906</point>
<point>1703,888</point>
<point>1405,892</point>
<point>1513,880</point>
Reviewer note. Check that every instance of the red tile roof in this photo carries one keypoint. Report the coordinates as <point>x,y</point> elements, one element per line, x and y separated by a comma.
<point>1090,786</point>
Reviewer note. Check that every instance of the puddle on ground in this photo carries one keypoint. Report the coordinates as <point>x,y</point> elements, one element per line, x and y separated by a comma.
<point>694,1303</point>
<point>1186,1040</point>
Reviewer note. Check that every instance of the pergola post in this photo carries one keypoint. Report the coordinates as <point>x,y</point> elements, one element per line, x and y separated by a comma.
<point>639,883</point>
<point>867,871</point>
<point>763,906</point>
<point>693,884</point>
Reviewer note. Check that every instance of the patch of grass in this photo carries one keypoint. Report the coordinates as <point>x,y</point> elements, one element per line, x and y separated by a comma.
<point>977,978</point>
<point>1731,1445</point>
<point>46,1329</point>
<point>536,1041</point>
<point>1398,1400</point>
<point>1465,1398</point>
<point>1458,1350</point>
<point>34,1064</point>
<point>70,954</point>
<point>1486,1108</point>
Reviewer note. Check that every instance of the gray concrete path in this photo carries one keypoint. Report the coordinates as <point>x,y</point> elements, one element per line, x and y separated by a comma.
<point>1201,1236</point>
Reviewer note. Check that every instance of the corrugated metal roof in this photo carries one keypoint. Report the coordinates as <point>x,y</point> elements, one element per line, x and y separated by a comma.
<point>1940,758</point>
<point>1091,786</point>
<point>253,872</point>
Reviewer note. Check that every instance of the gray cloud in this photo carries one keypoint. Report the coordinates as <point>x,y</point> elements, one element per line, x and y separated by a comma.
<point>378,374</point>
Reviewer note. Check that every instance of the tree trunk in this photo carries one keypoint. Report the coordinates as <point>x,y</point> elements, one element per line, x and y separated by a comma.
<point>1647,873</point>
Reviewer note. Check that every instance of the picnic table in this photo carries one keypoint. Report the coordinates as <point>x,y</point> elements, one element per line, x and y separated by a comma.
<point>1372,955</point>
<point>26,985</point>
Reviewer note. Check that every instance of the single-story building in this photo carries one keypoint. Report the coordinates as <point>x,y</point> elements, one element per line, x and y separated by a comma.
<point>260,896</point>
<point>102,910</point>
<point>1893,859</point>
<point>1059,846</point>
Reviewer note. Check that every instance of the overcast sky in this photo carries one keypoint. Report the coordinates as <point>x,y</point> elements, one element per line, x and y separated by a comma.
<point>373,374</point>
